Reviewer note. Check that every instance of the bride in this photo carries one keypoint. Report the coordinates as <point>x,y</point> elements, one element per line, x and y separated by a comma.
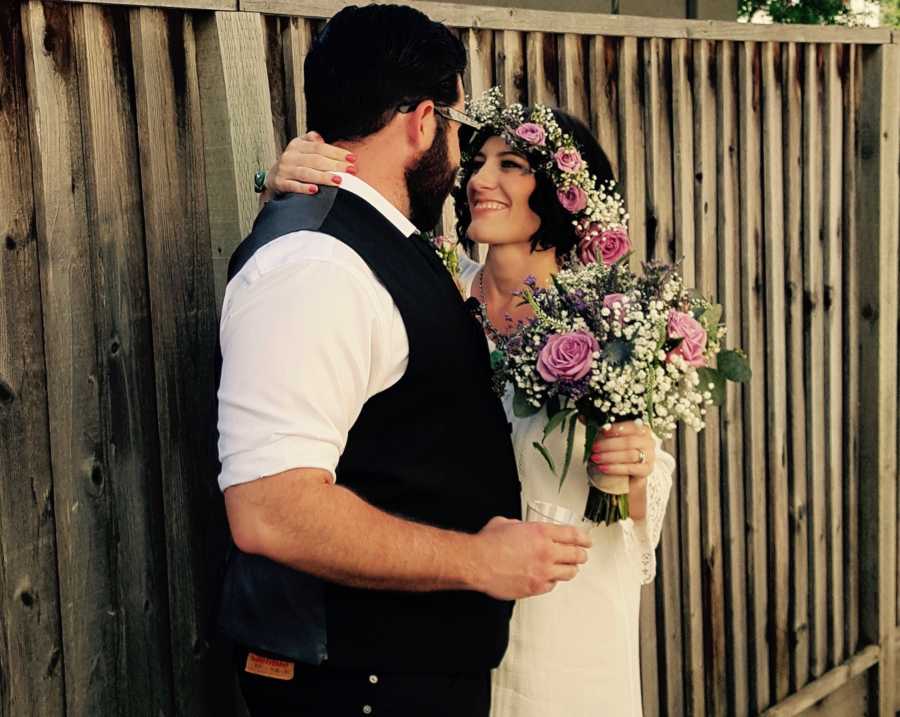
<point>573,652</point>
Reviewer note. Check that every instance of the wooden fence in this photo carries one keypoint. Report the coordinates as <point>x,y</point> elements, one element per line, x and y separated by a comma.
<point>765,157</point>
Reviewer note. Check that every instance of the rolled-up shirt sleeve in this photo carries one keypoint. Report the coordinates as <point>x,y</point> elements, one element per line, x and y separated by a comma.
<point>300,348</point>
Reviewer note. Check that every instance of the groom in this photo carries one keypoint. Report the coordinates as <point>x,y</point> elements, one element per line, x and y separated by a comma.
<point>368,473</point>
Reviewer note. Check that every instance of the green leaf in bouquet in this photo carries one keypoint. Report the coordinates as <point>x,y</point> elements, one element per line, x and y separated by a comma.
<point>734,365</point>
<point>592,430</point>
<point>546,454</point>
<point>554,405</point>
<point>498,360</point>
<point>555,420</point>
<point>570,443</point>
<point>618,351</point>
<point>711,376</point>
<point>521,406</point>
<point>711,317</point>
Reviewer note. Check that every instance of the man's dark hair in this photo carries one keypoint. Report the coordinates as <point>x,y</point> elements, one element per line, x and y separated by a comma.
<point>369,60</point>
<point>556,230</point>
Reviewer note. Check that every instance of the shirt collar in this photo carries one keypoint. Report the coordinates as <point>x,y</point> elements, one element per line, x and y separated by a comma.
<point>367,192</point>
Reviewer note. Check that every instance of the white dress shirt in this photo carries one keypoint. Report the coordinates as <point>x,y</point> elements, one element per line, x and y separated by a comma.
<point>308,335</point>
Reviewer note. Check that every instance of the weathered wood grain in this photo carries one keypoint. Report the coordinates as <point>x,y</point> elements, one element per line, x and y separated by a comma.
<point>479,70</point>
<point>543,68</point>
<point>776,368</point>
<point>708,688</point>
<point>649,646</point>
<point>124,364</point>
<point>296,37</point>
<point>604,97</point>
<point>631,142</point>
<point>31,659</point>
<point>183,322</point>
<point>520,19</point>
<point>573,86</point>
<point>814,337</point>
<point>792,149</point>
<point>731,415</point>
<point>81,500</point>
<point>753,327</point>
<point>237,127</point>
<point>833,301</point>
<point>509,65</point>
<point>877,222</point>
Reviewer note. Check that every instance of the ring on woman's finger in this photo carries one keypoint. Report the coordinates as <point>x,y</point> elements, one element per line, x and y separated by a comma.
<point>642,457</point>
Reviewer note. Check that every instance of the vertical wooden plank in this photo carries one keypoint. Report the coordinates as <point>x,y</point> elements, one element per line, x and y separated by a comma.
<point>683,150</point>
<point>274,31</point>
<point>877,221</point>
<point>851,376</point>
<point>604,99</point>
<point>179,269</point>
<point>649,645</point>
<point>776,370</point>
<point>130,445</point>
<point>543,68</point>
<point>792,124</point>
<point>479,47</point>
<point>237,126</point>
<point>31,659</point>
<point>833,299</point>
<point>81,482</point>
<point>709,681</point>
<point>731,414</point>
<point>509,65</point>
<point>478,78</point>
<point>631,140</point>
<point>573,93</point>
<point>670,210</point>
<point>814,333</point>
<point>658,120</point>
<point>753,307</point>
<point>296,37</point>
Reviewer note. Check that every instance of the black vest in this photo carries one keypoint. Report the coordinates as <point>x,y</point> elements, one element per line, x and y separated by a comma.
<point>434,448</point>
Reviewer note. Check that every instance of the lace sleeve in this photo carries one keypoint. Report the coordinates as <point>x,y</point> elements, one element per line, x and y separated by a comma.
<point>642,536</point>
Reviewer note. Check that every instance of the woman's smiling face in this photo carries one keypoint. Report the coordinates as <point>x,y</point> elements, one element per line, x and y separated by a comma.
<point>498,192</point>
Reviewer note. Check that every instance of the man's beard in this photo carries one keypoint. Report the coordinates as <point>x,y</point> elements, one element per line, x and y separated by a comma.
<point>429,181</point>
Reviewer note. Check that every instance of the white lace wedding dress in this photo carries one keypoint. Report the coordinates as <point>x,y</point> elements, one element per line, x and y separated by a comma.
<point>574,652</point>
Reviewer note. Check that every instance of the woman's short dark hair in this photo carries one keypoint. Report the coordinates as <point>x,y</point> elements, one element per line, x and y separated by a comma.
<point>556,230</point>
<point>369,60</point>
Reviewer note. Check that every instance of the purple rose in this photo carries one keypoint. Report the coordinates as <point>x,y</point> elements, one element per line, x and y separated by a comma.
<point>531,133</point>
<point>568,160</point>
<point>618,305</point>
<point>686,327</point>
<point>567,357</point>
<point>614,244</point>
<point>573,199</point>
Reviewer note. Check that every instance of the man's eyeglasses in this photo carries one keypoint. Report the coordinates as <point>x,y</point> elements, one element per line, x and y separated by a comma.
<point>446,112</point>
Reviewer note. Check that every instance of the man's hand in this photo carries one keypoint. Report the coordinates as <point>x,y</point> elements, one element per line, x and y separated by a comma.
<point>523,559</point>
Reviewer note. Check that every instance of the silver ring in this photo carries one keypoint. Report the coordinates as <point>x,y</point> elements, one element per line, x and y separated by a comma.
<point>642,457</point>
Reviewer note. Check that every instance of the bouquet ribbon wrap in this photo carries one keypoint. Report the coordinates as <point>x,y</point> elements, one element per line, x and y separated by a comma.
<point>614,485</point>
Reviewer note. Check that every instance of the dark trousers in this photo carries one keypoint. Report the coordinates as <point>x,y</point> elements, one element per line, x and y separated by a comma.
<point>323,691</point>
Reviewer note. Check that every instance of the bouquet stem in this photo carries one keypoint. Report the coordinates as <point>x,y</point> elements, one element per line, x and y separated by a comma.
<point>605,507</point>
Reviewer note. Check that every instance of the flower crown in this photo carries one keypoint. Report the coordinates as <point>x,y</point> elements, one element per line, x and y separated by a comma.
<point>598,210</point>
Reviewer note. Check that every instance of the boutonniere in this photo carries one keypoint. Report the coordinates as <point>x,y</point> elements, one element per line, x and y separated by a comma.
<point>446,250</point>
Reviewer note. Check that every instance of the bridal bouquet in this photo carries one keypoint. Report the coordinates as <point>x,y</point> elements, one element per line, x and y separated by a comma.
<point>607,344</point>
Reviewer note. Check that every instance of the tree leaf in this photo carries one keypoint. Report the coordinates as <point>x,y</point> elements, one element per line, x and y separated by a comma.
<point>521,407</point>
<point>734,365</point>
<point>546,454</point>
<point>711,376</point>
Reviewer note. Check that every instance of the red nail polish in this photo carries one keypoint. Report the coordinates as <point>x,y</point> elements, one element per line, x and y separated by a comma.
<point>351,158</point>
<point>336,179</point>
<point>313,190</point>
<point>351,170</point>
